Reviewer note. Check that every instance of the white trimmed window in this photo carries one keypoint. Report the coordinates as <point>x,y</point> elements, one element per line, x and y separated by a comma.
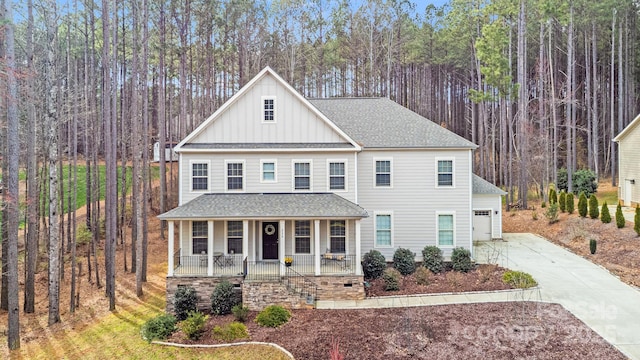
<point>338,236</point>
<point>199,176</point>
<point>446,229</point>
<point>199,237</point>
<point>303,236</point>
<point>234,237</point>
<point>302,175</point>
<point>337,175</point>
<point>235,175</point>
<point>445,173</point>
<point>383,173</point>
<point>384,236</point>
<point>268,171</point>
<point>269,109</point>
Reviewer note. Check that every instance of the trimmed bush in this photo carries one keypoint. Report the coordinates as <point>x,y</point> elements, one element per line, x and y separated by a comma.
<point>636,220</point>
<point>230,332</point>
<point>594,211</point>
<point>223,298</point>
<point>391,279</point>
<point>519,279</point>
<point>570,203</point>
<point>461,260</point>
<point>584,180</point>
<point>373,264</point>
<point>432,259</point>
<point>553,196</point>
<point>605,216</point>
<point>552,213</point>
<point>185,301</point>
<point>273,316</point>
<point>159,327</point>
<point>582,205</point>
<point>592,246</point>
<point>423,276</point>
<point>241,312</point>
<point>543,205</point>
<point>404,260</point>
<point>563,201</point>
<point>620,221</point>
<point>193,325</point>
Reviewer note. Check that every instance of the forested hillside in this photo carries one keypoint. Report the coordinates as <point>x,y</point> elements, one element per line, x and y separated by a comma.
<point>538,84</point>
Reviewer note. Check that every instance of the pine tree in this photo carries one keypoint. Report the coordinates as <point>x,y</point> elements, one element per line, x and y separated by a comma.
<point>604,213</point>
<point>570,203</point>
<point>563,199</point>
<point>582,205</point>
<point>636,220</point>
<point>594,212</point>
<point>619,217</point>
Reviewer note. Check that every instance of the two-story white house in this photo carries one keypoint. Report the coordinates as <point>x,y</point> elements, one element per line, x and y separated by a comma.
<point>273,176</point>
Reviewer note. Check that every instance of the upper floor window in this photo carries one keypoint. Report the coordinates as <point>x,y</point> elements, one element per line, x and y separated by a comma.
<point>234,237</point>
<point>383,173</point>
<point>302,175</point>
<point>199,237</point>
<point>383,230</point>
<point>199,176</point>
<point>235,179</point>
<point>337,176</point>
<point>269,109</point>
<point>446,224</point>
<point>268,170</point>
<point>445,173</point>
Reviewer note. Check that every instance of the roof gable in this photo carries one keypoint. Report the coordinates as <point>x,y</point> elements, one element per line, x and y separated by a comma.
<point>627,130</point>
<point>239,120</point>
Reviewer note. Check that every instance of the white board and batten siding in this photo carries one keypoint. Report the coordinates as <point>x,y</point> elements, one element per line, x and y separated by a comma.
<point>414,200</point>
<point>629,163</point>
<point>487,208</point>
<point>241,122</point>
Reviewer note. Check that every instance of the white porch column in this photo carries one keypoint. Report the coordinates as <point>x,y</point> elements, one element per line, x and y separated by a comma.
<point>245,238</point>
<point>316,246</point>
<point>253,246</point>
<point>358,250</point>
<point>210,248</point>
<point>281,248</point>
<point>171,249</point>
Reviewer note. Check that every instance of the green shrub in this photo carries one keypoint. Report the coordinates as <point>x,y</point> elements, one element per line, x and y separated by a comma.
<point>584,180</point>
<point>518,279</point>
<point>582,205</point>
<point>373,264</point>
<point>543,205</point>
<point>553,196</point>
<point>230,332</point>
<point>563,201</point>
<point>223,298</point>
<point>185,300</point>
<point>594,210</point>
<point>391,279</point>
<point>159,327</point>
<point>432,259</point>
<point>570,203</point>
<point>636,220</point>
<point>404,260</point>
<point>193,325</point>
<point>592,246</point>
<point>423,276</point>
<point>461,260</point>
<point>561,179</point>
<point>273,316</point>
<point>83,234</point>
<point>620,221</point>
<point>605,216</point>
<point>552,213</point>
<point>241,312</point>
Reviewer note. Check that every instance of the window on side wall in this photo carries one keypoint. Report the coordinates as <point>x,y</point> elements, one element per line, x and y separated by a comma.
<point>445,173</point>
<point>446,228</point>
<point>383,173</point>
<point>383,230</point>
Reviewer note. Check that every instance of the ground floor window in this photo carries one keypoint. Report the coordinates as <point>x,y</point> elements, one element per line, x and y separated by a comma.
<point>383,230</point>
<point>445,229</point>
<point>338,234</point>
<point>199,236</point>
<point>234,237</point>
<point>303,236</point>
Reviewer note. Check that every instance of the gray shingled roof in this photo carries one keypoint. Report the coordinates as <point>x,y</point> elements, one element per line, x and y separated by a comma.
<point>253,206</point>
<point>267,146</point>
<point>382,123</point>
<point>482,186</point>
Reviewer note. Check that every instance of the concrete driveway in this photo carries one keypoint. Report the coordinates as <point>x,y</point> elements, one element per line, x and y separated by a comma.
<point>591,293</point>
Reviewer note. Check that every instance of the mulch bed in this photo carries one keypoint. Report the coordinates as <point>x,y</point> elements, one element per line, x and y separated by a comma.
<point>482,278</point>
<point>474,331</point>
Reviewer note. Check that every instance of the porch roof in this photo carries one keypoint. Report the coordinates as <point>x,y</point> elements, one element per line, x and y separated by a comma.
<point>267,206</point>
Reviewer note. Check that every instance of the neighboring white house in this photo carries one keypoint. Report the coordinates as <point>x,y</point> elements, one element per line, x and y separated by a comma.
<point>169,154</point>
<point>273,175</point>
<point>629,164</point>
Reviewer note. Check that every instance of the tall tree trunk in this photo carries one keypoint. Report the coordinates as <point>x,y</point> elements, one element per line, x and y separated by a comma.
<point>594,101</point>
<point>613,157</point>
<point>570,98</point>
<point>523,99</point>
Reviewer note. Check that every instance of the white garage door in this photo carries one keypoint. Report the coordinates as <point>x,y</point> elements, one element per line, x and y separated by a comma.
<point>482,225</point>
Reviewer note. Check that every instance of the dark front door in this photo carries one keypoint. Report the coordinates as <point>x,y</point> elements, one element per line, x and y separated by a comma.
<point>270,240</point>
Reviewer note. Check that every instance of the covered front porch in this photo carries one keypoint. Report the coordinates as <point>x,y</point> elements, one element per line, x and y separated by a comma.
<point>261,236</point>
